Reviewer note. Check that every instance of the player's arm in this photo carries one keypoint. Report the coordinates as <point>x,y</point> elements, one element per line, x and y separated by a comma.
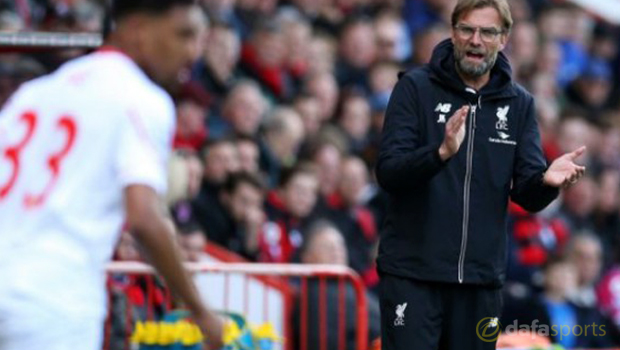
<point>156,237</point>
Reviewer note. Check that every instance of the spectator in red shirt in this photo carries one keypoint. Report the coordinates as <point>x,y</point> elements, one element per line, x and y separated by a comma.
<point>192,107</point>
<point>289,209</point>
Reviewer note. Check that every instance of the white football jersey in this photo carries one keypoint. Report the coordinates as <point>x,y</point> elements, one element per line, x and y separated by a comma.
<point>70,142</point>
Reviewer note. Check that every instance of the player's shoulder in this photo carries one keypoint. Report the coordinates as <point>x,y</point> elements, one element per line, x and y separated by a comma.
<point>123,74</point>
<point>115,77</point>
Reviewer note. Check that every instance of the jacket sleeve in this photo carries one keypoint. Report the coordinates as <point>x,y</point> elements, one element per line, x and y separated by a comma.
<point>404,162</point>
<point>528,189</point>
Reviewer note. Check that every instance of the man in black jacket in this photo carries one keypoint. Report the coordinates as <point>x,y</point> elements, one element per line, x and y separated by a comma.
<point>443,245</point>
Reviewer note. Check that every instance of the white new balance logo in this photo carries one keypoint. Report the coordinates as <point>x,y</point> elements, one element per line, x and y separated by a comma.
<point>443,108</point>
<point>400,314</point>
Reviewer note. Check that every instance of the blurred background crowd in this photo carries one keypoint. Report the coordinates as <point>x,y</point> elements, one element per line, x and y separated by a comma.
<point>280,119</point>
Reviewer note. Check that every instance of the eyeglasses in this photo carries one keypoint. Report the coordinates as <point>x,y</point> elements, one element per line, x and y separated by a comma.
<point>487,34</point>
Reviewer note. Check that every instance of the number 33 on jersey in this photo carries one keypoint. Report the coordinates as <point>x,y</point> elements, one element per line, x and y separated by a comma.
<point>14,144</point>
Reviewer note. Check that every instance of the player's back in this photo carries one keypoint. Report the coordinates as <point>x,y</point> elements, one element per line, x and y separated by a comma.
<point>69,143</point>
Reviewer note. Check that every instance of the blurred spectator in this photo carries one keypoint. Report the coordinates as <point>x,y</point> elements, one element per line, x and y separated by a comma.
<point>252,11</point>
<point>129,299</point>
<point>591,89</point>
<point>355,220</point>
<point>524,50</point>
<point>578,204</point>
<point>553,307</point>
<point>607,215</point>
<point>220,160</point>
<point>357,52</point>
<point>557,26</point>
<point>218,68</point>
<point>289,209</point>
<point>192,241</point>
<point>123,315</point>
<point>324,245</point>
<point>608,292</point>
<point>89,15</point>
<point>263,59</point>
<point>192,105</point>
<point>328,158</point>
<point>548,121</point>
<point>309,110</point>
<point>520,10</point>
<point>549,60</point>
<point>297,37</point>
<point>242,111</point>
<point>185,176</point>
<point>382,77</point>
<point>420,14</point>
<point>10,21</point>
<point>354,119</point>
<point>586,253</point>
<point>609,144</point>
<point>126,248</point>
<point>324,87</point>
<point>604,42</point>
<point>236,219</point>
<point>283,132</point>
<point>393,44</point>
<point>573,130</point>
<point>249,154</point>
<point>322,53</point>
<point>65,17</point>
<point>357,183</point>
<point>224,11</point>
<point>425,41</point>
<point>534,239</point>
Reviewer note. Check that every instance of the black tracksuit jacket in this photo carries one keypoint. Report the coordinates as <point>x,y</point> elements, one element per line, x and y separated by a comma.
<point>447,220</point>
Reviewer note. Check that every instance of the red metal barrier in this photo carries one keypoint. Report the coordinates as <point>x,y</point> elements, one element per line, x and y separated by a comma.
<point>293,281</point>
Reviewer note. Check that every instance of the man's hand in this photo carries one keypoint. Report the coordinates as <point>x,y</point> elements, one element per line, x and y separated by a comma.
<point>455,133</point>
<point>155,234</point>
<point>563,172</point>
<point>212,327</point>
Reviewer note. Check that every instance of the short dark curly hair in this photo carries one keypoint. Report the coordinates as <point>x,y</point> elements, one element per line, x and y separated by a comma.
<point>119,9</point>
<point>122,8</point>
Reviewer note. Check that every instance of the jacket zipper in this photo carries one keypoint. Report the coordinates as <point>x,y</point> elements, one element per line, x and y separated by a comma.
<point>470,159</point>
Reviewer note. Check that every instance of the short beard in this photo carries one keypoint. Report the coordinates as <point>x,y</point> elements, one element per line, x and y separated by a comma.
<point>473,71</point>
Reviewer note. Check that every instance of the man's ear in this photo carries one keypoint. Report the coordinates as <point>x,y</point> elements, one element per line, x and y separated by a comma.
<point>503,40</point>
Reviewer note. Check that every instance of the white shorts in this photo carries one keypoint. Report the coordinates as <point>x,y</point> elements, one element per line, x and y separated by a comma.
<point>31,331</point>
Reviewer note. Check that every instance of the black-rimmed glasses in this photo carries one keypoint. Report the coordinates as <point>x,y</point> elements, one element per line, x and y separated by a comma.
<point>487,34</point>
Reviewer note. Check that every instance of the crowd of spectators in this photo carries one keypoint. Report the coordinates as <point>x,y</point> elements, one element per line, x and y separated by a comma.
<point>280,119</point>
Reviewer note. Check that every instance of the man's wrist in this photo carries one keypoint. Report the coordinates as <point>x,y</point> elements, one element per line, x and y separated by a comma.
<point>444,155</point>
